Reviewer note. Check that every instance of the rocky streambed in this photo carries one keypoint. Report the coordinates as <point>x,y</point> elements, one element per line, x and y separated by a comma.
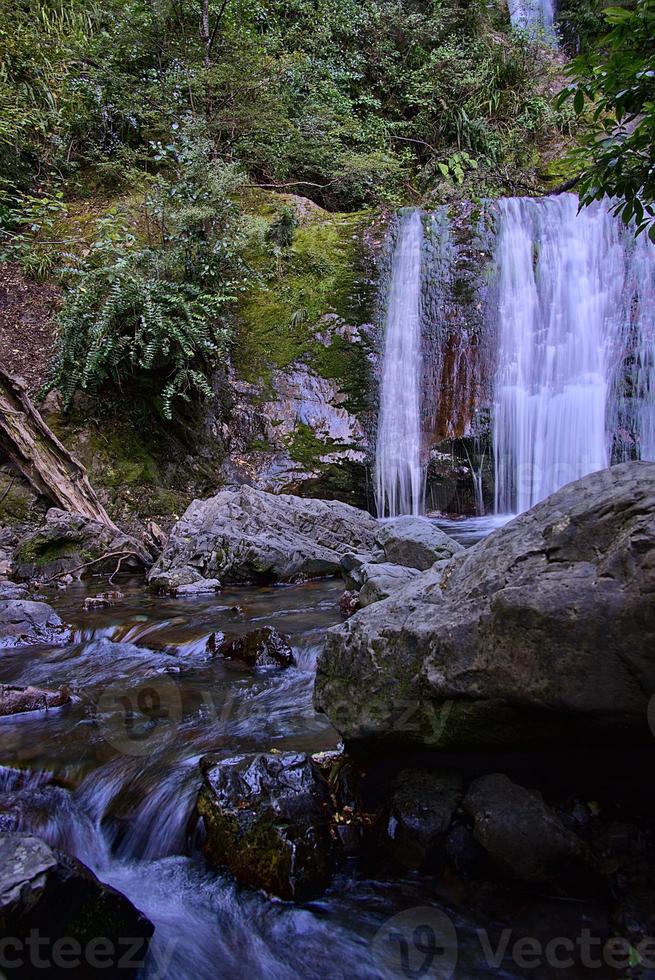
<point>492,797</point>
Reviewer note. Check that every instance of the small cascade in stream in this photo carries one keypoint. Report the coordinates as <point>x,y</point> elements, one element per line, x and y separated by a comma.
<point>398,470</point>
<point>575,319</point>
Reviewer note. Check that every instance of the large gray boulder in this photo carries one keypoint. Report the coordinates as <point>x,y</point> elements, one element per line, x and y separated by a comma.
<point>24,623</point>
<point>44,890</point>
<point>247,535</point>
<point>546,628</point>
<point>416,542</point>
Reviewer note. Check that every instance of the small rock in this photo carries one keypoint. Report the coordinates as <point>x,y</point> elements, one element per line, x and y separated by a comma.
<point>184,580</point>
<point>267,819</point>
<point>351,565</point>
<point>264,647</point>
<point>382,580</point>
<point>103,600</point>
<point>522,833</point>
<point>200,588</point>
<point>14,700</point>
<point>10,590</point>
<point>420,813</point>
<point>415,542</point>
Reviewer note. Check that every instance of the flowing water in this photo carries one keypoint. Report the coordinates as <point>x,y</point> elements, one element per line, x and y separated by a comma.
<point>575,315</point>
<point>113,781</point>
<point>399,475</point>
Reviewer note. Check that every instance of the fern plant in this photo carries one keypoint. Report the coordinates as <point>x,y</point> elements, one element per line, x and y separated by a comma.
<point>157,312</point>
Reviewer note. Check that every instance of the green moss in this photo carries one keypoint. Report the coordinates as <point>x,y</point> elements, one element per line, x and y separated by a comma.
<point>306,448</point>
<point>41,550</point>
<point>319,274</point>
<point>124,458</point>
<point>348,364</point>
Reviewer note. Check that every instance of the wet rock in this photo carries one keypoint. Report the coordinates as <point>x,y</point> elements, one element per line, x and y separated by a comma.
<point>202,587</point>
<point>11,590</point>
<point>23,623</point>
<point>416,542</point>
<point>351,565</point>
<point>379,581</point>
<point>66,541</point>
<point>103,600</point>
<point>43,889</point>
<point>247,535</point>
<point>264,647</point>
<point>267,819</point>
<point>420,813</point>
<point>349,603</point>
<point>14,700</point>
<point>523,834</point>
<point>545,629</point>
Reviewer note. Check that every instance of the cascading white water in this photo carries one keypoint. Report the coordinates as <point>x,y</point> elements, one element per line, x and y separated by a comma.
<point>398,470</point>
<point>575,330</point>
<point>532,14</point>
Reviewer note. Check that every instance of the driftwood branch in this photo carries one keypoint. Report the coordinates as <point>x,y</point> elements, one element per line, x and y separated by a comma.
<point>94,561</point>
<point>39,455</point>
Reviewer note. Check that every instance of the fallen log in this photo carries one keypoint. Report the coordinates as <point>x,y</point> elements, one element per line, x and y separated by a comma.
<point>39,455</point>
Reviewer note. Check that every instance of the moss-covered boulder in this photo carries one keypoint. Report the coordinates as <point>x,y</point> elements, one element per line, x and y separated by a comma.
<point>267,819</point>
<point>72,543</point>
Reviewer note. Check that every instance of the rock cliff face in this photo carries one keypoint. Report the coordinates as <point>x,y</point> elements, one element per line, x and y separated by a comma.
<point>545,628</point>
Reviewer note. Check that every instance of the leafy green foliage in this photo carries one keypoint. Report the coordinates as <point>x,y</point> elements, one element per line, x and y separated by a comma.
<point>613,90</point>
<point>157,313</point>
<point>353,103</point>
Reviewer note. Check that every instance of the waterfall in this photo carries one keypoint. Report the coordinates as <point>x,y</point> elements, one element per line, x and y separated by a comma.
<point>398,470</point>
<point>532,14</point>
<point>575,376</point>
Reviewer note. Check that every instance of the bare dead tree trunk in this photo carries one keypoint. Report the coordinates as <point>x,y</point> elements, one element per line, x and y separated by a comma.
<point>39,455</point>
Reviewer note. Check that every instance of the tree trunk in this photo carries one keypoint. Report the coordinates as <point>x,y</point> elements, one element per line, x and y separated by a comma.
<point>39,455</point>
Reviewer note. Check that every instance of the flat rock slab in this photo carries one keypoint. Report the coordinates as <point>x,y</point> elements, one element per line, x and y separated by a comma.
<point>247,535</point>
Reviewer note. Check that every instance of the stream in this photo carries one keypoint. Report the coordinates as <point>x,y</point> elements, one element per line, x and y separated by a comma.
<point>112,778</point>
